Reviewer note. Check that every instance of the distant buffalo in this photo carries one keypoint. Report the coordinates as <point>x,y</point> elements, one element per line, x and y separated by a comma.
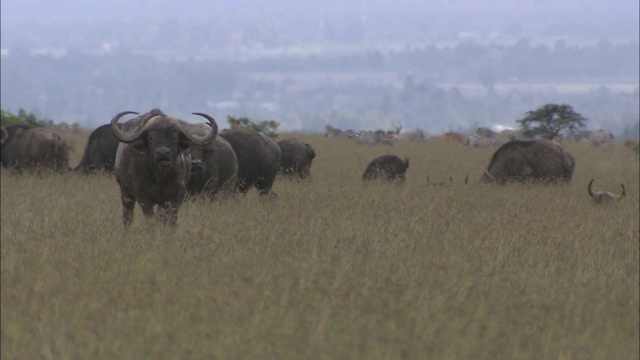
<point>100,152</point>
<point>153,163</point>
<point>603,197</point>
<point>296,158</point>
<point>535,160</point>
<point>258,159</point>
<point>214,168</point>
<point>26,147</point>
<point>386,167</point>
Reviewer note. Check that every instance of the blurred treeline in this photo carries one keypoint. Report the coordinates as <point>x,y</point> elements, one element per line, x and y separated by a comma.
<point>432,87</point>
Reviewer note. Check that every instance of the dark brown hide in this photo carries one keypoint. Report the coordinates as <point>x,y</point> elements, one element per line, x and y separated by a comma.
<point>296,158</point>
<point>386,167</point>
<point>5,135</point>
<point>34,148</point>
<point>214,168</point>
<point>535,160</point>
<point>153,163</point>
<point>258,159</point>
<point>100,152</point>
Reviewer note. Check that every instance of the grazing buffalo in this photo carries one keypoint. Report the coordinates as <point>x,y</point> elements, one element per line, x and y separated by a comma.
<point>214,168</point>
<point>535,160</point>
<point>26,147</point>
<point>153,163</point>
<point>386,167</point>
<point>100,152</point>
<point>602,197</point>
<point>296,158</point>
<point>258,159</point>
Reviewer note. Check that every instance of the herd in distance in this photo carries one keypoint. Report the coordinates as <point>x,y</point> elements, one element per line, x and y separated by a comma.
<point>159,160</point>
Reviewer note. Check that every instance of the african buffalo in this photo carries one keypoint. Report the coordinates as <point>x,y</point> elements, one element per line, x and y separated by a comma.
<point>100,152</point>
<point>214,168</point>
<point>153,163</point>
<point>26,147</point>
<point>258,159</point>
<point>602,197</point>
<point>534,160</point>
<point>386,167</point>
<point>296,158</point>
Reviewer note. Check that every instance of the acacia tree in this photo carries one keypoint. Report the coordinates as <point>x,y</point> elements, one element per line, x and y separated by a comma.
<point>547,121</point>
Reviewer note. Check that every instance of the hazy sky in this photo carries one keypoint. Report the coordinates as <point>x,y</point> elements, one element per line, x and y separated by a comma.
<point>515,11</point>
<point>252,28</point>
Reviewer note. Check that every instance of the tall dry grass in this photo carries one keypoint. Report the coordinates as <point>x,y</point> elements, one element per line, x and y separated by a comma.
<point>332,268</point>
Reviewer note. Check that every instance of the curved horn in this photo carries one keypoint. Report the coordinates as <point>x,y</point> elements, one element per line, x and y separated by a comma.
<point>125,138</point>
<point>207,138</point>
<point>624,192</point>
<point>486,172</point>
<point>589,188</point>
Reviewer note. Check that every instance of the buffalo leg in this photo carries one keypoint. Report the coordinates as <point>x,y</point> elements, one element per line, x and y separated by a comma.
<point>264,185</point>
<point>147,210</point>
<point>128,203</point>
<point>169,213</point>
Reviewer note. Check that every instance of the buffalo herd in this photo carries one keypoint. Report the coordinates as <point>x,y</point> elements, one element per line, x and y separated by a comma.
<point>158,160</point>
<point>26,147</point>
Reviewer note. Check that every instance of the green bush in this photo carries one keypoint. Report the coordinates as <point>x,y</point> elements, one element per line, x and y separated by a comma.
<point>267,127</point>
<point>8,118</point>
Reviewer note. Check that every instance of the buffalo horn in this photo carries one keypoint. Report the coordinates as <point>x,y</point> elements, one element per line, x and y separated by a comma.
<point>125,138</point>
<point>202,140</point>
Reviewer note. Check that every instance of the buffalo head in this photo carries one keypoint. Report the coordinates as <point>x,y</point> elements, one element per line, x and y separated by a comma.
<point>163,137</point>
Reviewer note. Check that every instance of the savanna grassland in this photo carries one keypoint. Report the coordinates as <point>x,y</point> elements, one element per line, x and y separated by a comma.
<point>332,268</point>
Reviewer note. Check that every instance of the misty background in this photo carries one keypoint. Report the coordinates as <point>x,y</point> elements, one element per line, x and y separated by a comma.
<point>434,65</point>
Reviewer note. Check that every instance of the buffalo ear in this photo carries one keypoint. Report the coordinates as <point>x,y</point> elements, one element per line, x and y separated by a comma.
<point>184,143</point>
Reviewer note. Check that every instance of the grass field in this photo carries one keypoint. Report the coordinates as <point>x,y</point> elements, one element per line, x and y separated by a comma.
<point>332,268</point>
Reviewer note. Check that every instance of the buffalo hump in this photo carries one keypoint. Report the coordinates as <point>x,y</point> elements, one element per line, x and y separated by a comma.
<point>296,158</point>
<point>386,167</point>
<point>258,159</point>
<point>26,147</point>
<point>100,152</point>
<point>534,160</point>
<point>214,168</point>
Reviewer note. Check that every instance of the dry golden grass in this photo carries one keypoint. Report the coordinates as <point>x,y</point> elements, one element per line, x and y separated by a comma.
<point>332,268</point>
